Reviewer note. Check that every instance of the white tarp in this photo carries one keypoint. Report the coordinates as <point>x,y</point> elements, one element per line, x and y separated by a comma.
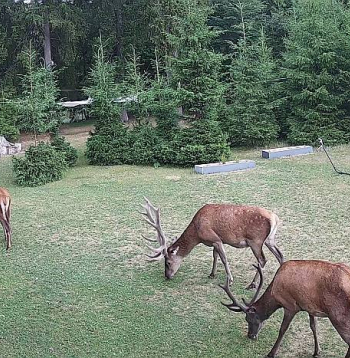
<point>72,104</point>
<point>85,102</point>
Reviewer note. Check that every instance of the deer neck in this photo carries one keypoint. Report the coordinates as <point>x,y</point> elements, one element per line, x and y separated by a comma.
<point>266,305</point>
<point>186,242</point>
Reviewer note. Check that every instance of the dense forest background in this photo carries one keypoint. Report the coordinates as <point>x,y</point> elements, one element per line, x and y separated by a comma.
<point>262,70</point>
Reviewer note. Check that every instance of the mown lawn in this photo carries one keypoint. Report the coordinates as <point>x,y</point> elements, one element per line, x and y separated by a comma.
<point>76,283</point>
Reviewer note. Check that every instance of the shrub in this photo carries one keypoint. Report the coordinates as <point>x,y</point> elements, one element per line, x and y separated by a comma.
<point>7,125</point>
<point>204,142</point>
<point>69,152</point>
<point>109,146</point>
<point>145,141</point>
<point>42,164</point>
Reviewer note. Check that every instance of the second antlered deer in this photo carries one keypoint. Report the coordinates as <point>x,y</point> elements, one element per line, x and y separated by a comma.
<point>215,225</point>
<point>320,288</point>
<point>5,215</point>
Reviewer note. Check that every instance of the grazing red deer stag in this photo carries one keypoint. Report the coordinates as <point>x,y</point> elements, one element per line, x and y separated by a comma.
<point>215,225</point>
<point>318,287</point>
<point>5,214</point>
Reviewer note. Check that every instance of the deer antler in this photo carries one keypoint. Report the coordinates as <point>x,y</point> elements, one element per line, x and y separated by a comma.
<point>259,287</point>
<point>235,305</point>
<point>152,217</point>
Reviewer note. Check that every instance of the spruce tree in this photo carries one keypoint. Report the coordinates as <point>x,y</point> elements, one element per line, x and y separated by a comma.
<point>37,108</point>
<point>103,89</point>
<point>195,67</point>
<point>317,68</point>
<point>250,116</point>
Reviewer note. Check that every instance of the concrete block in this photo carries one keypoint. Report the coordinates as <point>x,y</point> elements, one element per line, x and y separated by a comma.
<point>224,167</point>
<point>286,151</point>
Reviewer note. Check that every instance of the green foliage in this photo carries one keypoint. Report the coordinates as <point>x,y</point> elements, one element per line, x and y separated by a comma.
<point>237,20</point>
<point>203,142</point>
<point>193,67</point>
<point>317,67</point>
<point>42,164</point>
<point>109,146</point>
<point>69,152</point>
<point>162,103</point>
<point>8,114</point>
<point>250,118</point>
<point>144,143</point>
<point>38,111</point>
<point>295,87</point>
<point>103,89</point>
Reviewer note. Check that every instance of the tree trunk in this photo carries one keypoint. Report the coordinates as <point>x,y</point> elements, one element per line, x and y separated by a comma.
<point>124,116</point>
<point>47,41</point>
<point>119,28</point>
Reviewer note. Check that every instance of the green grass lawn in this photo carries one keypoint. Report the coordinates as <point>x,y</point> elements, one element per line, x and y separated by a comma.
<point>76,283</point>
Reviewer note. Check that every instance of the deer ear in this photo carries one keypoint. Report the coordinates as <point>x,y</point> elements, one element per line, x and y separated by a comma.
<point>174,251</point>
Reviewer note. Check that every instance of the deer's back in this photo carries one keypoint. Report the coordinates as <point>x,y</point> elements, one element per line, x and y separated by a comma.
<point>4,193</point>
<point>313,286</point>
<point>232,223</point>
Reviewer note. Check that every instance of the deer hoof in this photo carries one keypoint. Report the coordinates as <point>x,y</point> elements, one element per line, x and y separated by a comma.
<point>251,286</point>
<point>212,275</point>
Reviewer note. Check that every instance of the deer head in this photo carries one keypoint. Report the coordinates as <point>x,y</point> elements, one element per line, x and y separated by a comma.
<point>170,254</point>
<point>255,321</point>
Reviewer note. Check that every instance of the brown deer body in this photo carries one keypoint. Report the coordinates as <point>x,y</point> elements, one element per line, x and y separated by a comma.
<point>318,287</point>
<point>5,215</point>
<point>217,224</point>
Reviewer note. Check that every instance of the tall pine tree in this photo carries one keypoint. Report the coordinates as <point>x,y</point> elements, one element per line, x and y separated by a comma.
<point>250,117</point>
<point>317,67</point>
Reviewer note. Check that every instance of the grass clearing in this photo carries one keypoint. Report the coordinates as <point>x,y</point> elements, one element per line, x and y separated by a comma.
<point>76,284</point>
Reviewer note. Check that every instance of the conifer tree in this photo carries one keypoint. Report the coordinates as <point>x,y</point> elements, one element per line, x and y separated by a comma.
<point>103,89</point>
<point>37,108</point>
<point>251,119</point>
<point>195,67</point>
<point>317,67</point>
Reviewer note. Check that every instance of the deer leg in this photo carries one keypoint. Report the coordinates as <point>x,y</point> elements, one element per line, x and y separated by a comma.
<point>219,247</point>
<point>276,252</point>
<point>342,326</point>
<point>4,226</point>
<point>215,263</point>
<point>9,240</point>
<point>314,331</point>
<point>287,319</point>
<point>348,353</point>
<point>258,253</point>
<point>7,232</point>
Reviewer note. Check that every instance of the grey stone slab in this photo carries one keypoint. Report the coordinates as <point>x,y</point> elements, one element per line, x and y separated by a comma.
<point>286,151</point>
<point>7,148</point>
<point>224,167</point>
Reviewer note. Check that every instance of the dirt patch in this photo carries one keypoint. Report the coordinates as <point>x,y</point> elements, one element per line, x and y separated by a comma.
<point>74,135</point>
<point>69,130</point>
